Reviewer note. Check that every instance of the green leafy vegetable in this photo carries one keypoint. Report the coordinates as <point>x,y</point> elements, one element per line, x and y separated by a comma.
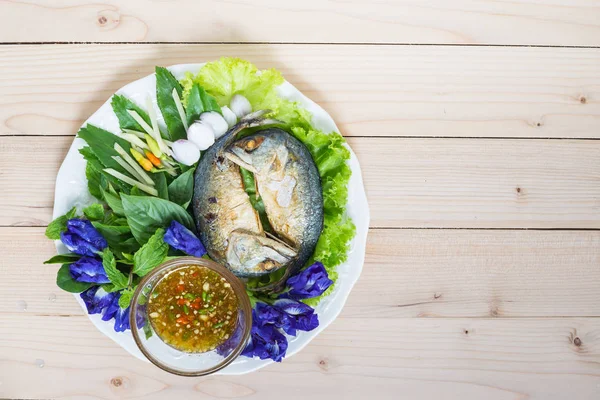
<point>98,179</point>
<point>228,76</point>
<point>94,212</point>
<point>65,281</point>
<point>151,254</point>
<point>114,202</point>
<point>146,214</point>
<point>59,225</point>
<point>147,331</point>
<point>182,188</point>
<point>93,173</point>
<point>63,259</point>
<point>160,184</point>
<point>125,298</point>
<point>197,102</point>
<point>165,83</point>
<point>102,143</point>
<point>116,277</point>
<point>120,105</point>
<point>118,237</point>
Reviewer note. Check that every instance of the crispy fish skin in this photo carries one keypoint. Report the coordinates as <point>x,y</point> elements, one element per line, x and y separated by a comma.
<point>290,186</point>
<point>228,225</point>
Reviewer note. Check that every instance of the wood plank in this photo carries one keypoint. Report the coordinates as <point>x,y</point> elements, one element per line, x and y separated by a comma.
<point>449,183</point>
<point>368,90</point>
<point>416,273</point>
<point>560,22</point>
<point>395,358</point>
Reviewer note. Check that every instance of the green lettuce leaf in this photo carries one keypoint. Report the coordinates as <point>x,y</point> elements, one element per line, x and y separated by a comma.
<point>228,76</point>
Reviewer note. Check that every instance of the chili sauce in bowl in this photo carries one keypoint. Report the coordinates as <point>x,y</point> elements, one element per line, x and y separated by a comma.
<point>193,309</point>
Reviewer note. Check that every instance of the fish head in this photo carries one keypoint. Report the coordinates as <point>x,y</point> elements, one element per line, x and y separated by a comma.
<point>259,153</point>
<point>249,254</point>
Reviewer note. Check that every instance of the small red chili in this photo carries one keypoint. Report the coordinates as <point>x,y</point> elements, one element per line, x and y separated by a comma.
<point>180,302</point>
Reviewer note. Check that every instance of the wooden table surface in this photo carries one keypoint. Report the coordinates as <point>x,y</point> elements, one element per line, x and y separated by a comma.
<point>477,124</point>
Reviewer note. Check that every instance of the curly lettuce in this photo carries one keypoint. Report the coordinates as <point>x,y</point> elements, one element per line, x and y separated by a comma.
<point>229,76</point>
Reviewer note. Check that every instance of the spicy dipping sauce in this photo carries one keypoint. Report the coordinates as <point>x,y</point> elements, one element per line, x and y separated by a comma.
<point>193,309</point>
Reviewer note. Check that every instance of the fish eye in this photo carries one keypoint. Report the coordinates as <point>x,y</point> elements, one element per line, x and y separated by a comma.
<point>252,144</point>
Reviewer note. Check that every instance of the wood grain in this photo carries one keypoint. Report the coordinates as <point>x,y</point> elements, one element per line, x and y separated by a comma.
<point>368,90</point>
<point>395,358</point>
<point>410,183</point>
<point>415,273</point>
<point>559,22</point>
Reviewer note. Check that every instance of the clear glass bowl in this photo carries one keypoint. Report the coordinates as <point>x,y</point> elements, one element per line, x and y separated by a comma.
<point>176,361</point>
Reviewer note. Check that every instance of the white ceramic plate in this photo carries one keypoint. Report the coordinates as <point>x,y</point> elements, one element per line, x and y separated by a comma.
<point>71,190</point>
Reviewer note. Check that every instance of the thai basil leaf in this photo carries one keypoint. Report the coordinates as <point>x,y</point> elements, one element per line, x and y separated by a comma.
<point>65,281</point>
<point>63,259</point>
<point>160,184</point>
<point>151,254</point>
<point>198,102</point>
<point>146,214</point>
<point>117,278</point>
<point>165,83</point>
<point>182,188</point>
<point>59,225</point>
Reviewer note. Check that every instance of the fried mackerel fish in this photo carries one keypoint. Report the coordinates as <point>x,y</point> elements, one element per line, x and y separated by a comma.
<point>288,181</point>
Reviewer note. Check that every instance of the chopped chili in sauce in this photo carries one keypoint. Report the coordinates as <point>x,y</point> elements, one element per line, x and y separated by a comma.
<point>193,309</point>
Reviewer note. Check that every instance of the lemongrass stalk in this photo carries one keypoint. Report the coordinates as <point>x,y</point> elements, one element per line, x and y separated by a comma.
<point>134,140</point>
<point>154,121</point>
<point>179,108</point>
<point>127,167</point>
<point>134,164</point>
<point>140,121</point>
<point>136,133</point>
<point>169,171</point>
<point>131,182</point>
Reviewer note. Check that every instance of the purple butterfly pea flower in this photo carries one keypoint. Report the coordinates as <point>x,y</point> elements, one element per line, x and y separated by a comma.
<point>82,238</point>
<point>302,316</point>
<point>311,282</point>
<point>112,309</point>
<point>267,314</point>
<point>181,238</point>
<point>121,315</point>
<point>88,269</point>
<point>97,299</point>
<point>266,342</point>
